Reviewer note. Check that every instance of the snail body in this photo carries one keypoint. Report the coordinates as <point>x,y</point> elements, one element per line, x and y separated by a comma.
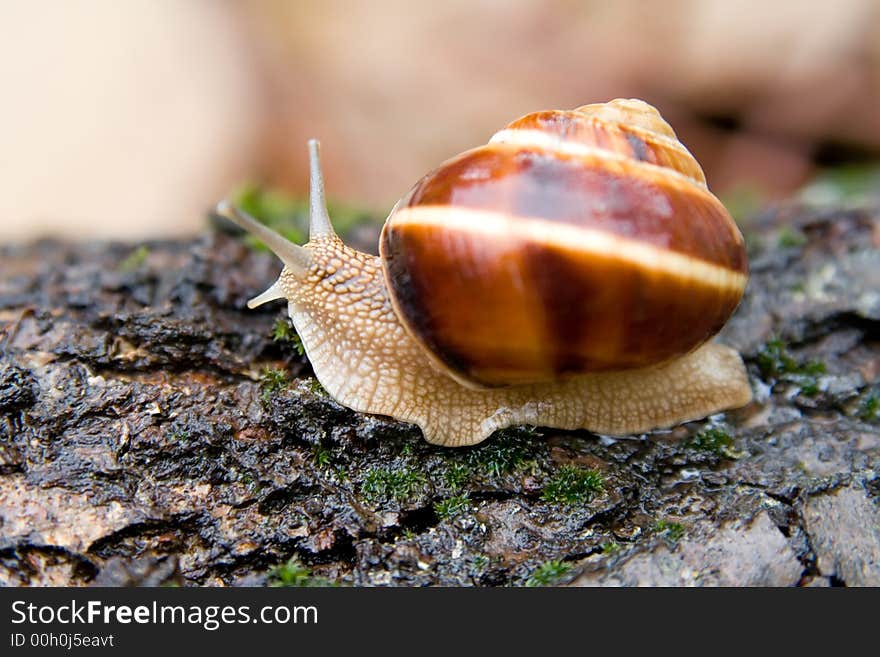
<point>568,274</point>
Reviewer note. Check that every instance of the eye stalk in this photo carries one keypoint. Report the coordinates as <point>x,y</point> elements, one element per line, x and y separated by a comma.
<point>294,256</point>
<point>319,219</point>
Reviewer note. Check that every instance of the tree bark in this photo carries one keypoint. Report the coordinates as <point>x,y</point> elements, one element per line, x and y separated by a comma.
<point>153,430</point>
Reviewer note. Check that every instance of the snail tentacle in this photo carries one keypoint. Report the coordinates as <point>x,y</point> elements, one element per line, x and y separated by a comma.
<point>293,255</point>
<point>320,225</point>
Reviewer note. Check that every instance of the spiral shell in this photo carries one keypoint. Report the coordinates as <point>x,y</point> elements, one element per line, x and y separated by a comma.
<point>573,242</point>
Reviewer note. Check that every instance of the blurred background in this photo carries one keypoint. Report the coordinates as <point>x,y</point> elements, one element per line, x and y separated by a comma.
<point>131,119</point>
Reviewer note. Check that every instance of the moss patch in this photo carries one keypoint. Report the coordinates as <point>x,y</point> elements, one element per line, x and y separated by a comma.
<point>548,574</point>
<point>322,456</point>
<point>456,475</point>
<point>505,452</point>
<point>399,484</point>
<point>775,362</point>
<point>452,506</point>
<point>672,532</point>
<point>852,185</point>
<point>294,573</point>
<point>284,333</point>
<point>288,214</point>
<point>572,486</point>
<point>135,259</point>
<point>271,382</point>
<point>716,441</point>
<point>869,408</point>
<point>610,547</point>
<point>285,214</point>
<point>789,238</point>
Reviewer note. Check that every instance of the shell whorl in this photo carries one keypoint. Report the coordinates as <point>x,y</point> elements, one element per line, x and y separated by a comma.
<point>623,129</point>
<point>573,242</point>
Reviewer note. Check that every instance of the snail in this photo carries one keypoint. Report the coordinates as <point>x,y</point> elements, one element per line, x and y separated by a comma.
<point>570,274</point>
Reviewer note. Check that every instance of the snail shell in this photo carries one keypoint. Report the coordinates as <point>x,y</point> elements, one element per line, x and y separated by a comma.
<point>573,242</point>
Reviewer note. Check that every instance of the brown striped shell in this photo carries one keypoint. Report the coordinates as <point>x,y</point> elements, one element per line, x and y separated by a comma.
<point>574,241</point>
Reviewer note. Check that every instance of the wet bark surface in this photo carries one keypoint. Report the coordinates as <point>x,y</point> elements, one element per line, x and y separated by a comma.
<point>154,430</point>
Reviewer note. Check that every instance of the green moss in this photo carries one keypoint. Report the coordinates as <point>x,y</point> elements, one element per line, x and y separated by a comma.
<point>456,475</point>
<point>548,574</point>
<point>505,452</point>
<point>315,387</point>
<point>807,378</point>
<point>283,332</point>
<point>775,362</point>
<point>178,435</point>
<point>272,381</point>
<point>452,506</point>
<point>610,547</point>
<point>572,486</point>
<point>479,563</point>
<point>322,456</point>
<point>399,484</point>
<point>294,573</point>
<point>135,259</point>
<point>289,214</point>
<point>743,201</point>
<point>716,441</point>
<point>849,185</point>
<point>869,408</point>
<point>285,214</point>
<point>813,368</point>
<point>672,532</point>
<point>774,359</point>
<point>789,238</point>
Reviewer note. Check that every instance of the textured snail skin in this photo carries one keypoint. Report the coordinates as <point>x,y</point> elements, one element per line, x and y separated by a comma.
<point>369,359</point>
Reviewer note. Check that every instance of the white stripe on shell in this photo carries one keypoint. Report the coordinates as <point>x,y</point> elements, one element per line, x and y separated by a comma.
<point>499,227</point>
<point>549,141</point>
